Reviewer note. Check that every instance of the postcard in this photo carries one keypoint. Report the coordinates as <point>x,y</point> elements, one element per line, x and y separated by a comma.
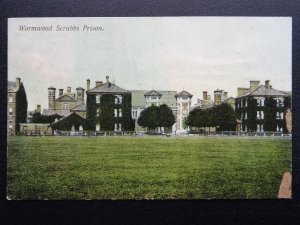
<point>149,108</point>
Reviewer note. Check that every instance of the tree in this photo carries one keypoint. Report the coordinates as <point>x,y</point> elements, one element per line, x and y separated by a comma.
<point>156,116</point>
<point>221,116</point>
<point>166,116</point>
<point>39,118</point>
<point>149,118</point>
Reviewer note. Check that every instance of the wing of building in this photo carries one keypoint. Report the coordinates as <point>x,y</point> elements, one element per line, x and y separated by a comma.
<point>263,108</point>
<point>16,105</point>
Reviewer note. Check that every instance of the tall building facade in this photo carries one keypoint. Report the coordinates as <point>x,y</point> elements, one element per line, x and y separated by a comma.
<point>262,108</point>
<point>108,107</point>
<point>184,103</point>
<point>16,105</point>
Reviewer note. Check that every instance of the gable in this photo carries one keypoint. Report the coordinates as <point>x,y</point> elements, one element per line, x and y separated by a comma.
<point>65,98</point>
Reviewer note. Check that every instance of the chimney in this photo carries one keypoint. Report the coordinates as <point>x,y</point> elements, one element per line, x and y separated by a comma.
<point>107,79</point>
<point>98,83</point>
<point>242,91</point>
<point>225,94</point>
<point>60,92</point>
<point>88,82</point>
<point>205,95</point>
<point>254,84</point>
<point>18,82</point>
<point>267,83</point>
<point>38,108</point>
<point>69,91</point>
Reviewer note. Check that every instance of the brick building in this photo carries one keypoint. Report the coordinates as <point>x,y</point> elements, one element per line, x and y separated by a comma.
<point>16,105</point>
<point>263,108</point>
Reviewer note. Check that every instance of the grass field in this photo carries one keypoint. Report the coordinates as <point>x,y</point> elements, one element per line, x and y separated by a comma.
<point>146,167</point>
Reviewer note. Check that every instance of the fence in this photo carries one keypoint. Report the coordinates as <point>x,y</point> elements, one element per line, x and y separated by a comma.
<point>239,133</point>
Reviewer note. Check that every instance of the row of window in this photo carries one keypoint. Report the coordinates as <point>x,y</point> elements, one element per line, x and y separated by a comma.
<point>261,102</point>
<point>260,115</point>
<point>118,99</point>
<point>118,127</point>
<point>117,112</point>
<point>260,128</point>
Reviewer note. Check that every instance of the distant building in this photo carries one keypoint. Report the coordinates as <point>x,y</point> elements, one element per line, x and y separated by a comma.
<point>65,102</point>
<point>141,99</point>
<point>263,108</point>
<point>108,107</point>
<point>183,101</point>
<point>16,105</point>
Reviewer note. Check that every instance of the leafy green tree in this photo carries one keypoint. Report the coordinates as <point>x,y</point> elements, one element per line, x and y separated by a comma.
<point>156,116</point>
<point>166,116</point>
<point>39,118</point>
<point>149,118</point>
<point>223,117</point>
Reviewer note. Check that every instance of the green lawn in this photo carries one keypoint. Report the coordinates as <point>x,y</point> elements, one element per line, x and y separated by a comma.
<point>146,167</point>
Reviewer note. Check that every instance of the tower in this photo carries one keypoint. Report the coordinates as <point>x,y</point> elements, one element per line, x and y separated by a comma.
<point>183,102</point>
<point>51,97</point>
<point>80,96</point>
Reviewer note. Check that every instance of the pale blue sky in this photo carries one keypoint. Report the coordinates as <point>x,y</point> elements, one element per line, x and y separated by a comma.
<point>164,53</point>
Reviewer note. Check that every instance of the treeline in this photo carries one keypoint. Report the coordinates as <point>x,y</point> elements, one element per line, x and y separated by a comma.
<point>222,116</point>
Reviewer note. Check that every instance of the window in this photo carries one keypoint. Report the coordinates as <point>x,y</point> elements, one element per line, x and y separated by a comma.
<point>116,112</point>
<point>118,99</point>
<point>246,103</point>
<point>258,128</point>
<point>98,127</point>
<point>116,126</point>
<point>279,102</point>
<point>10,125</point>
<point>262,128</point>
<point>120,112</point>
<point>98,98</point>
<point>120,126</point>
<point>98,112</point>
<point>80,128</point>
<point>10,98</point>
<point>10,111</point>
<point>245,115</point>
<point>65,105</point>
<point>260,114</point>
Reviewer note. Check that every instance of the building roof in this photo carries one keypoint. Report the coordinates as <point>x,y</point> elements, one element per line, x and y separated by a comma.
<point>60,112</point>
<point>183,93</point>
<point>65,98</point>
<point>153,93</point>
<point>11,86</point>
<point>108,88</point>
<point>79,88</point>
<point>262,90</point>
<point>138,98</point>
<point>67,117</point>
<point>81,108</point>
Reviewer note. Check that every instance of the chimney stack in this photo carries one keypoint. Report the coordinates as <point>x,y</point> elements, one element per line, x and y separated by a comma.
<point>88,82</point>
<point>254,84</point>
<point>242,91</point>
<point>18,82</point>
<point>267,83</point>
<point>60,92</point>
<point>107,79</point>
<point>205,95</point>
<point>38,108</point>
<point>98,83</point>
<point>225,94</point>
<point>69,91</point>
